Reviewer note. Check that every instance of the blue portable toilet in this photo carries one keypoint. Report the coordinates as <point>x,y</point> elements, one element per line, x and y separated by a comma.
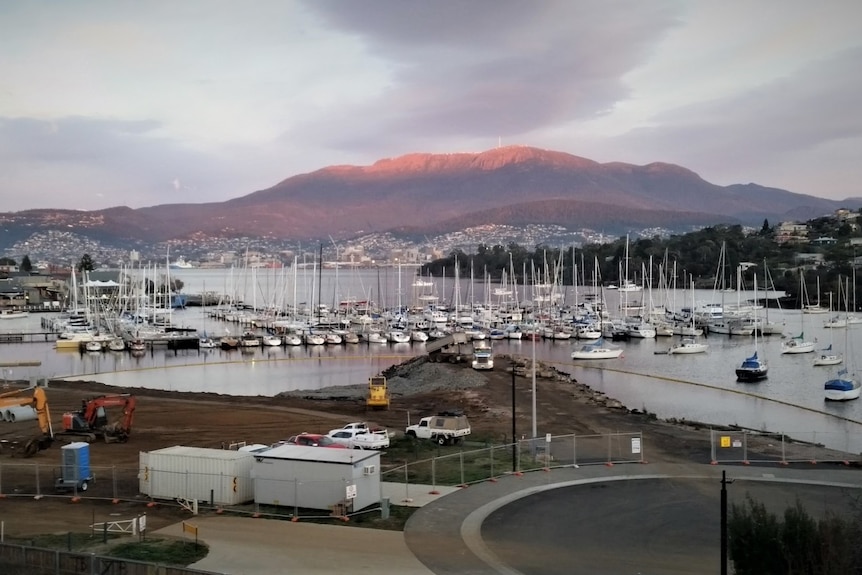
<point>75,471</point>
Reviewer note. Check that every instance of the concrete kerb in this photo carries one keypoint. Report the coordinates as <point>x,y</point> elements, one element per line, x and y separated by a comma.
<point>494,496</point>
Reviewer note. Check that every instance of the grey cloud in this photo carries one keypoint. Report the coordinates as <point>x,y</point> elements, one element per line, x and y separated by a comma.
<point>815,107</point>
<point>121,160</point>
<point>483,69</point>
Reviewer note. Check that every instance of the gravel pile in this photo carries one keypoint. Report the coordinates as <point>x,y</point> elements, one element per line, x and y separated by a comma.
<point>409,378</point>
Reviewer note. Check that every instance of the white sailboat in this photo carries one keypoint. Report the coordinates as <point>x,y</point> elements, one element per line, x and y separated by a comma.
<point>798,344</point>
<point>827,356</point>
<point>597,350</point>
<point>689,345</point>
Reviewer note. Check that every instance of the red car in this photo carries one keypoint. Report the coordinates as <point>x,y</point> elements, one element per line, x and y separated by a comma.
<point>314,440</point>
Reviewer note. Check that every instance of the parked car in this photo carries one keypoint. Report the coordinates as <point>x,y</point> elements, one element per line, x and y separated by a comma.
<point>313,440</point>
<point>360,438</point>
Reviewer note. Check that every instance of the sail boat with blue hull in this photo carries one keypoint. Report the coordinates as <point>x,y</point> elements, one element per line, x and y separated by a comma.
<point>842,387</point>
<point>753,368</point>
<point>845,386</point>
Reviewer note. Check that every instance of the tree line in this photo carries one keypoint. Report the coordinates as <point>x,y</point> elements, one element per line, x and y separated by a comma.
<point>676,258</point>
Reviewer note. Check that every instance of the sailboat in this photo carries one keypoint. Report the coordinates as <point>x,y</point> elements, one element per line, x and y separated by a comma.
<point>753,368</point>
<point>597,350</point>
<point>798,344</point>
<point>827,356</point>
<point>205,341</point>
<point>844,386</point>
<point>689,345</point>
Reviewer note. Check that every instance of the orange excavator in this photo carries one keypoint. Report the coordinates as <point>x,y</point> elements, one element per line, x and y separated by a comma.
<point>39,403</point>
<point>91,421</point>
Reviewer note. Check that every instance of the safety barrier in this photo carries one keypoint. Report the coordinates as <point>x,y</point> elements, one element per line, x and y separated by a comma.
<point>747,446</point>
<point>535,454</point>
<point>28,560</point>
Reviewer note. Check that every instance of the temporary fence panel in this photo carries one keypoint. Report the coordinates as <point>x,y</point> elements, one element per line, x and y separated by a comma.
<point>747,446</point>
<point>38,561</point>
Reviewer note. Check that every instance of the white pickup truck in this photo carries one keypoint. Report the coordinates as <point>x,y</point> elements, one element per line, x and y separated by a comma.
<point>444,428</point>
<point>360,437</point>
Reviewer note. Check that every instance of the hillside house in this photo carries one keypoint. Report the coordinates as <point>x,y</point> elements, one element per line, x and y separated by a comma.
<point>791,233</point>
<point>809,259</point>
<point>823,241</point>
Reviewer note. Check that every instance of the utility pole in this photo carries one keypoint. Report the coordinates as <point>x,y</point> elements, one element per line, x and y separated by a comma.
<point>534,336</point>
<point>724,483</point>
<point>514,429</point>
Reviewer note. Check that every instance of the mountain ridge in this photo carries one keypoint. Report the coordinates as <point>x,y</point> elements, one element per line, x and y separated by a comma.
<point>423,192</point>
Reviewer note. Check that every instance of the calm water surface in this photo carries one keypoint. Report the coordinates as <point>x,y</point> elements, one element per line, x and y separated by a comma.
<point>699,387</point>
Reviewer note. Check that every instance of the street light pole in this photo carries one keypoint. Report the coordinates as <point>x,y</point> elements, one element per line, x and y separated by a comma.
<point>514,429</point>
<point>535,335</point>
<point>724,482</point>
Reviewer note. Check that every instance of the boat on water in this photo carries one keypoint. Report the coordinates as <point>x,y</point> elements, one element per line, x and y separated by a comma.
<point>291,339</point>
<point>117,344</point>
<point>797,345</point>
<point>842,388</point>
<point>398,336</point>
<point>229,342</point>
<point>828,357</point>
<point>137,344</point>
<point>93,345</point>
<point>687,345</point>
<point>13,314</point>
<point>597,350</point>
<point>180,264</point>
<point>375,337</point>
<point>271,340</point>
<point>752,369</point>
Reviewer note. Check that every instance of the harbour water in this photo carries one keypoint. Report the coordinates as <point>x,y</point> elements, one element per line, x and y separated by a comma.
<point>700,387</point>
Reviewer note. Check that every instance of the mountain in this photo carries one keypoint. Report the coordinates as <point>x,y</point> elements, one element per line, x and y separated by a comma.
<point>431,193</point>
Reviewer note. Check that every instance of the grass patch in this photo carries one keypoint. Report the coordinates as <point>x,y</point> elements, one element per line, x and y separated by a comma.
<point>163,551</point>
<point>398,516</point>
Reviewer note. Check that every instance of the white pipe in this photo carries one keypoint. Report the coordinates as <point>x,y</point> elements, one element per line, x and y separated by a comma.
<point>20,413</point>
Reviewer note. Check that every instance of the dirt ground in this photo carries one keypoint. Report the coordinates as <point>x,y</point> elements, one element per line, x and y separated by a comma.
<point>164,419</point>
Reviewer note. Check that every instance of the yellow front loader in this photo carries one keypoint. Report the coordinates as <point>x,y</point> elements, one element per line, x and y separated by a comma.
<point>378,393</point>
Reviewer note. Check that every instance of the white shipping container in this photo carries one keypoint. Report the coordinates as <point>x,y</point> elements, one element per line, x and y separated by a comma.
<point>219,476</point>
<point>316,477</point>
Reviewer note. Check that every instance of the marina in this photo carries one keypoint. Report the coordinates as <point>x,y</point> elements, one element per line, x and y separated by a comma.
<point>694,387</point>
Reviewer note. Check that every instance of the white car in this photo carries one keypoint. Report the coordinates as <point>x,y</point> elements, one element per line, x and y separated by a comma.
<point>359,426</point>
<point>360,438</point>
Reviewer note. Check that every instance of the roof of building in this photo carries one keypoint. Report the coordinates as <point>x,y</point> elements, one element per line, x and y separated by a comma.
<point>317,454</point>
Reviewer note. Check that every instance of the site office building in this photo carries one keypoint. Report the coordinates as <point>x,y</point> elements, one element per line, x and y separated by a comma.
<point>316,477</point>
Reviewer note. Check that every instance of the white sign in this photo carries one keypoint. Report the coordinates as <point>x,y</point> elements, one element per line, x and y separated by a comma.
<point>350,492</point>
<point>636,444</point>
<point>142,523</point>
<point>547,438</point>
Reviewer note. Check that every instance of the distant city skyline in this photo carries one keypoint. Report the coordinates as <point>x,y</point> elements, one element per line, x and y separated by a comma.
<point>117,103</point>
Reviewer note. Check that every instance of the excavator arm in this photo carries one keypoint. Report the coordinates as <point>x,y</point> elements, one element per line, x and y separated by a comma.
<point>39,402</point>
<point>92,419</point>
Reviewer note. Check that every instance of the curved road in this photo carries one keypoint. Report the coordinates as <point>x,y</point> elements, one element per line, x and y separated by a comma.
<point>618,520</point>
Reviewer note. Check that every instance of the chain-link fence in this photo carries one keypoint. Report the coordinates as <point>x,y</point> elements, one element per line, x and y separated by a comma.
<point>24,560</point>
<point>541,453</point>
<point>748,446</point>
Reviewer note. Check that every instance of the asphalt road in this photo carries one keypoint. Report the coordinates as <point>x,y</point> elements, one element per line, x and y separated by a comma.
<point>589,521</point>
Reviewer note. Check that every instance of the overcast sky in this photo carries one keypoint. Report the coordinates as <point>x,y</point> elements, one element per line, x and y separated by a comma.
<point>121,102</point>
